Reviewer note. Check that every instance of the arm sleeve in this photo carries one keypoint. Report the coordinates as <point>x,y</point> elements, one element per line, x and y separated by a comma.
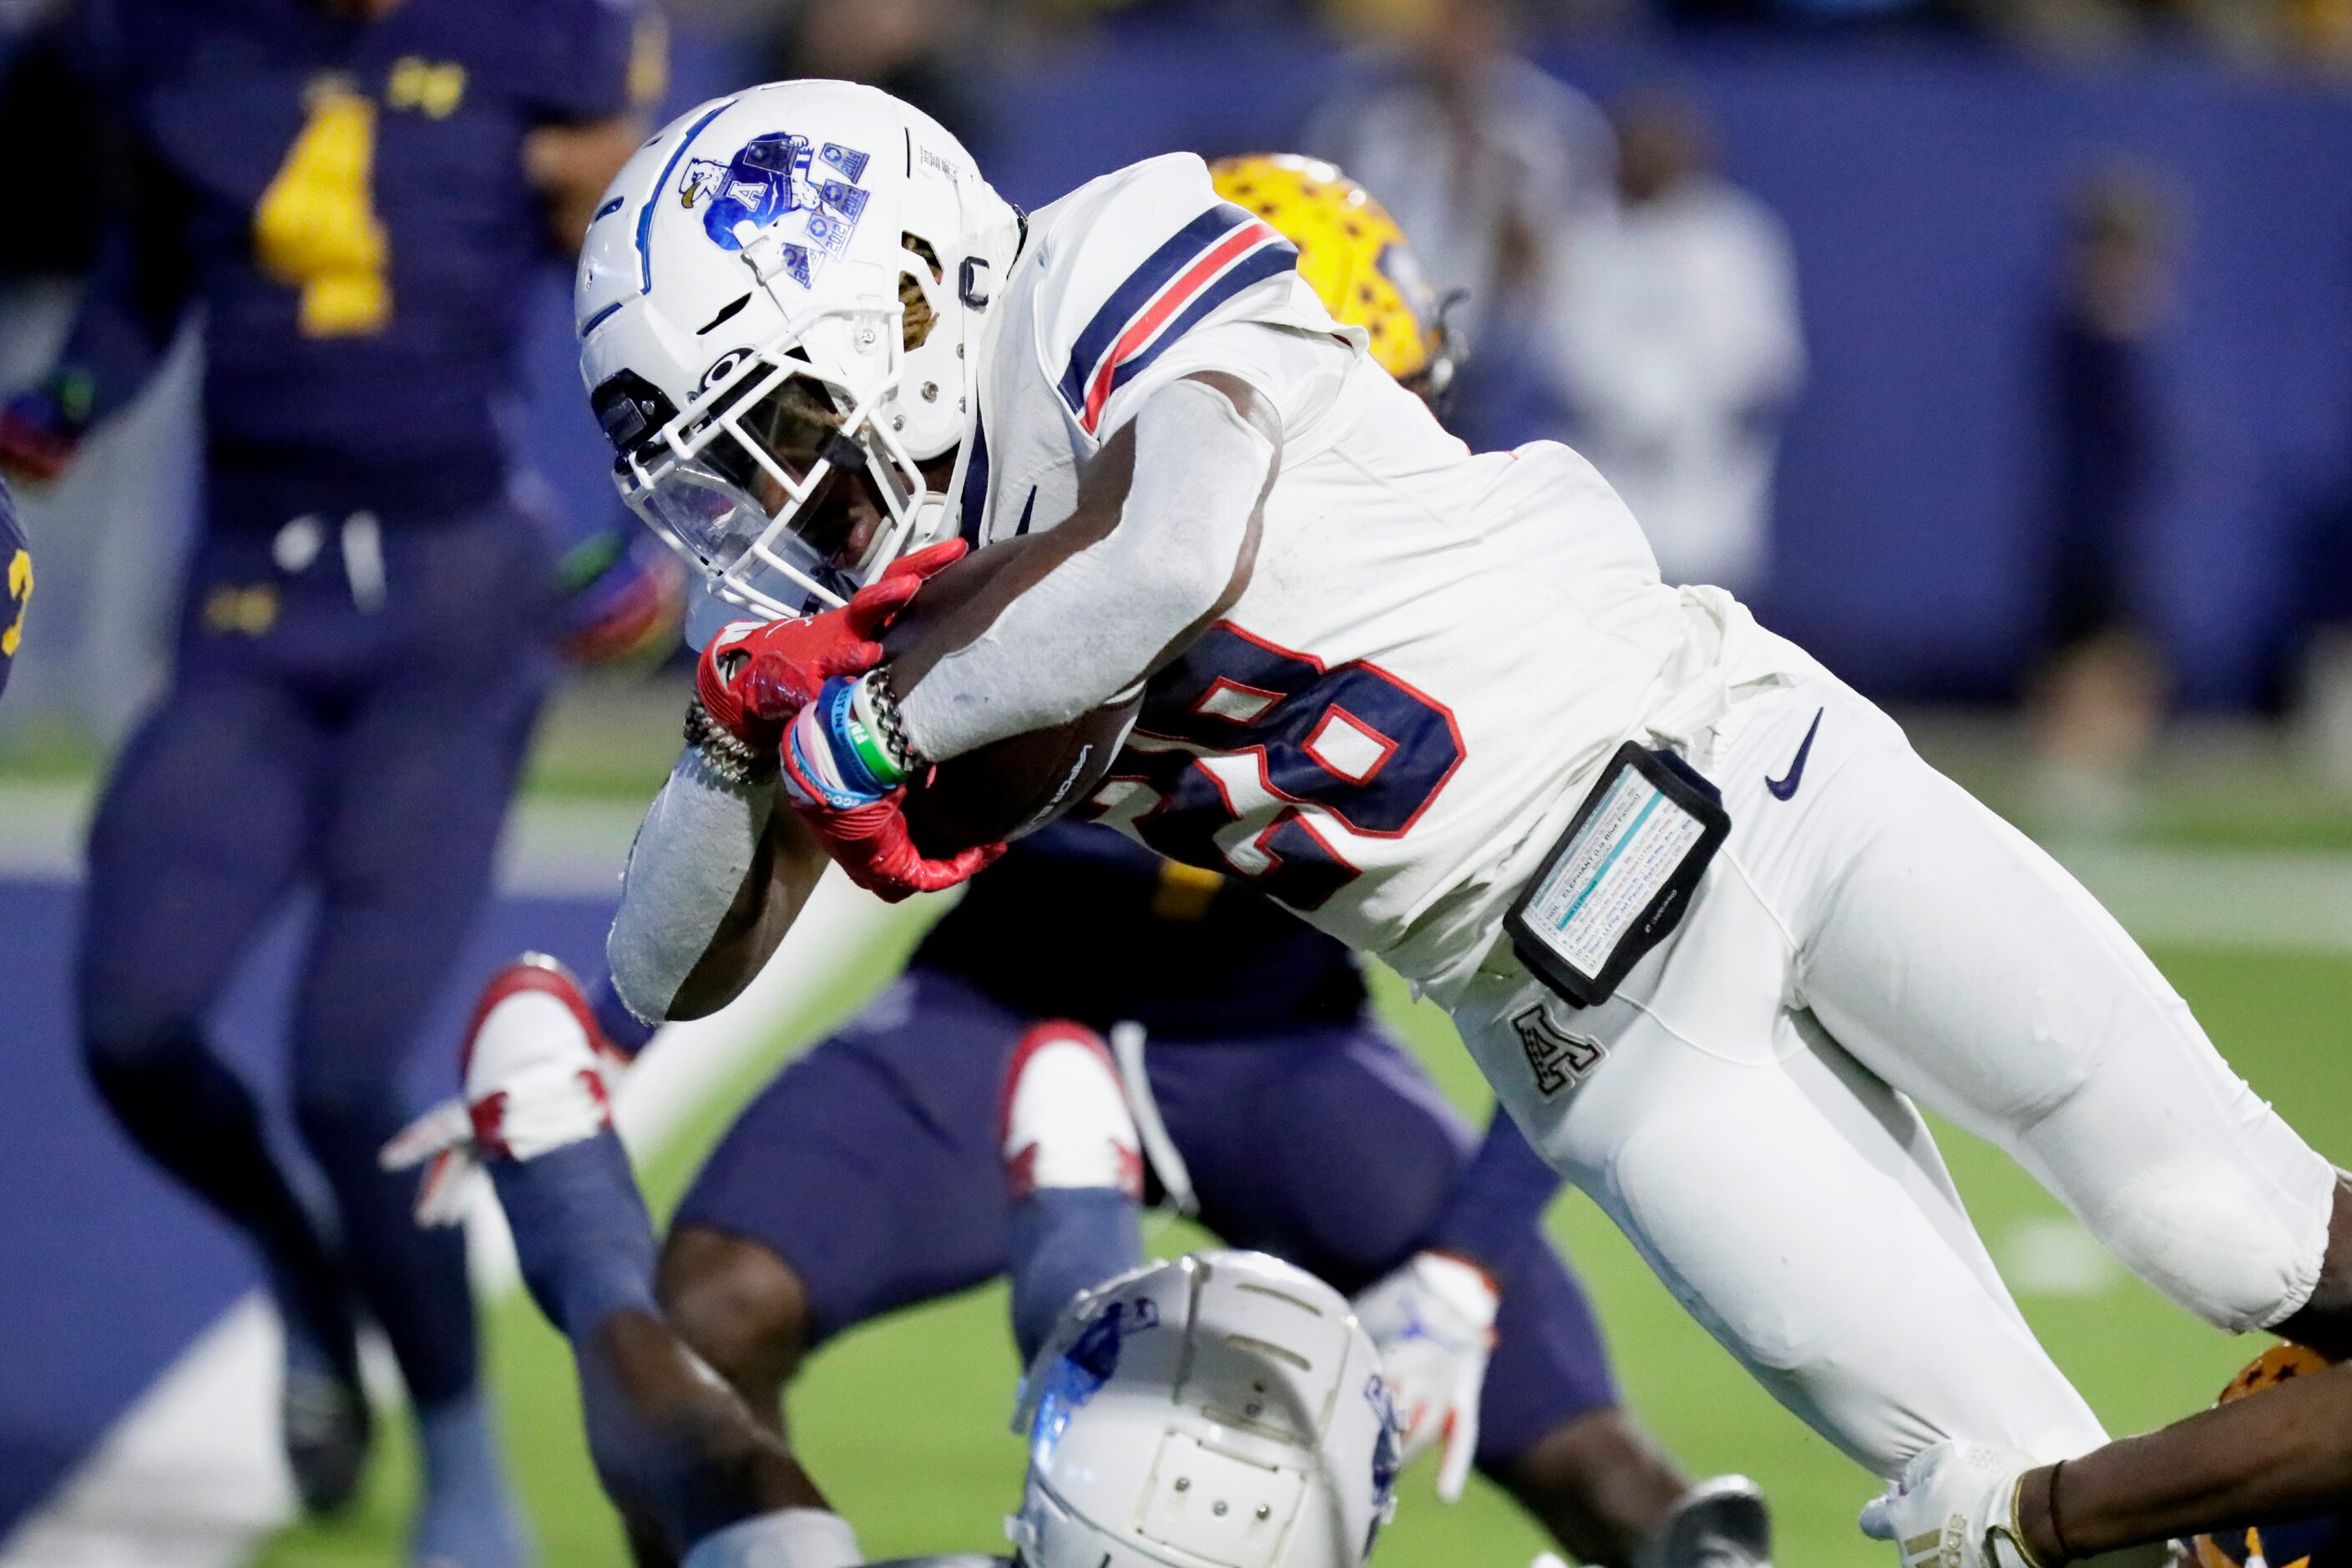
<point>1088,628</point>
<point>1499,1199</point>
<point>691,854</point>
<point>131,307</point>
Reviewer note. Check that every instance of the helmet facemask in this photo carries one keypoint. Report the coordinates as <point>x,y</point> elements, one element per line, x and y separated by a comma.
<point>760,480</point>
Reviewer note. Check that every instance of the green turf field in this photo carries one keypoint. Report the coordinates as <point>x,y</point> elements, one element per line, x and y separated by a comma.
<point>903,1423</point>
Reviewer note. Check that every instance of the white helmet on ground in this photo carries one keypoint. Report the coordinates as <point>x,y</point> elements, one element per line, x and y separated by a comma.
<point>782,290</point>
<point>1222,1411</point>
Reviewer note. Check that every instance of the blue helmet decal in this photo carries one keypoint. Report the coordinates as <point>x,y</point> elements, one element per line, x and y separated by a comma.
<point>645,213</point>
<point>1081,1371</point>
<point>1387,1459</point>
<point>774,178</point>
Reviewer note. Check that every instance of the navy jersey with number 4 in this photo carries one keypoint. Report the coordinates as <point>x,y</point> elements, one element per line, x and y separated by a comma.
<point>347,201</point>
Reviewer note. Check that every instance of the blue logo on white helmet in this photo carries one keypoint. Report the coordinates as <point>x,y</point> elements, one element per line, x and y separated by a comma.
<point>775,178</point>
<point>1083,1370</point>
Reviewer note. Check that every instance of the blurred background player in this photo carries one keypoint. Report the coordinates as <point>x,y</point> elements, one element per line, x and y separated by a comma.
<point>110,535</point>
<point>1678,347</point>
<point>871,1175</point>
<point>2097,700</point>
<point>1490,165</point>
<point>358,195</point>
<point>16,583</point>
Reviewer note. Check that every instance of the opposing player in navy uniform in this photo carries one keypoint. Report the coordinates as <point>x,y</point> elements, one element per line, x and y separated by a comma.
<point>971,1123</point>
<point>16,582</point>
<point>359,197</point>
<point>886,1168</point>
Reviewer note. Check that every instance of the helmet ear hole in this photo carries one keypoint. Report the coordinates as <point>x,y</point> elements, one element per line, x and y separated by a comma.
<point>919,316</point>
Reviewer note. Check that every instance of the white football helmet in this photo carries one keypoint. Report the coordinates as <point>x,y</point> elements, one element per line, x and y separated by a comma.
<point>745,343</point>
<point>1222,1411</point>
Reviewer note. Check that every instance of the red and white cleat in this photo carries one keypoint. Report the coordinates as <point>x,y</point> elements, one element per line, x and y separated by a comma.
<point>539,1075</point>
<point>536,1065</point>
<point>1063,1119</point>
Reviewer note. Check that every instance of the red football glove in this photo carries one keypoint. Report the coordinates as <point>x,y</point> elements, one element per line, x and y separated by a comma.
<point>753,678</point>
<point>871,843</point>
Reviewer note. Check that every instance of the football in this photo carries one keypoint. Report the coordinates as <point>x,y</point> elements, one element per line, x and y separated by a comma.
<point>1019,784</point>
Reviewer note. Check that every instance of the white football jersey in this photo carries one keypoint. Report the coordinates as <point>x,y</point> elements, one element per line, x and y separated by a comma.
<point>1436,649</point>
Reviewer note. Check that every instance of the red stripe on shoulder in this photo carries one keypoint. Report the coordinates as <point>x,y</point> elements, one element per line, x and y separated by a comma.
<point>1172,299</point>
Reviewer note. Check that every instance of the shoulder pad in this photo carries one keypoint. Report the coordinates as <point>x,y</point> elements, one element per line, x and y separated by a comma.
<point>1133,261</point>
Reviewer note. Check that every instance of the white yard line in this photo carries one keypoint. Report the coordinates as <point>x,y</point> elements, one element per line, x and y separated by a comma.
<point>2223,897</point>
<point>2276,898</point>
<point>192,1476</point>
<point>551,846</point>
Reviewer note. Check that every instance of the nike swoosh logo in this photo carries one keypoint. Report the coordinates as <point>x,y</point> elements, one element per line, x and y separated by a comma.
<point>1785,787</point>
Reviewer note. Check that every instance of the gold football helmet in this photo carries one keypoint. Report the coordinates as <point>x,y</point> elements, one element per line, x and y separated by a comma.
<point>1354,257</point>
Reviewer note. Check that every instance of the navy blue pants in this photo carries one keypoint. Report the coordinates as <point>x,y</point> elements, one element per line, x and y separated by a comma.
<point>354,732</point>
<point>870,1165</point>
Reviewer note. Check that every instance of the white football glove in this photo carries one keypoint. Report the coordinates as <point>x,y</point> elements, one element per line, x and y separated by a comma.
<point>442,1141</point>
<point>1955,1506</point>
<point>539,1075</point>
<point>1433,1322</point>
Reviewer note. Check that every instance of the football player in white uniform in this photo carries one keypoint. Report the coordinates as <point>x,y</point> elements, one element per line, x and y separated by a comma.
<point>1709,926</point>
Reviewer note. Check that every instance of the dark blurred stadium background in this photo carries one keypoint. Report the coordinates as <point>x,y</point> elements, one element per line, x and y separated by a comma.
<point>2066,476</point>
<point>1928,159</point>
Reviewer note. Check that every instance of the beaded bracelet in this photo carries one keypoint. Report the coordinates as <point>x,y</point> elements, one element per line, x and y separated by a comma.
<point>733,759</point>
<point>882,707</point>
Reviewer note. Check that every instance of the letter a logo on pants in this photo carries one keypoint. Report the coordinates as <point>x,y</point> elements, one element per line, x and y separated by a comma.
<point>1557,1057</point>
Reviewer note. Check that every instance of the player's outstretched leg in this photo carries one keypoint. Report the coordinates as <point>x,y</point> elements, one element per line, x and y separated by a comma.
<point>407,839</point>
<point>848,1188</point>
<point>179,884</point>
<point>1073,1167</point>
<point>696,1478</point>
<point>1744,1107</point>
<point>190,1112</point>
<point>2007,999</point>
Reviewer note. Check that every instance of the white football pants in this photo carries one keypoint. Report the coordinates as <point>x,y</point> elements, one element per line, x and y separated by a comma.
<point>1875,937</point>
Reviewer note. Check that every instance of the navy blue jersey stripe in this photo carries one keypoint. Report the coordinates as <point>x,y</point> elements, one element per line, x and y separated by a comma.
<point>1159,270</point>
<point>661,187</point>
<point>1269,261</point>
<point>975,485</point>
